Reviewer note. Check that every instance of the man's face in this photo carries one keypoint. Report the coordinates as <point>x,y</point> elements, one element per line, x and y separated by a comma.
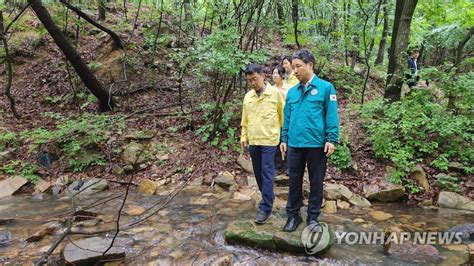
<point>256,80</point>
<point>302,70</point>
<point>415,55</point>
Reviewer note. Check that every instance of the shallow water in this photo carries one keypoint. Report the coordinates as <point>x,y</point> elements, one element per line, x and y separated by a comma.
<point>190,229</point>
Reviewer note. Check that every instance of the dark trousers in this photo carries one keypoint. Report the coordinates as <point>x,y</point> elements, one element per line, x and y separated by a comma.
<point>315,159</point>
<point>263,158</point>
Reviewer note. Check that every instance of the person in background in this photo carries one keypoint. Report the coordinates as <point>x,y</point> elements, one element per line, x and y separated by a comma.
<point>262,119</point>
<point>290,77</point>
<point>283,87</point>
<point>412,77</point>
<point>310,133</point>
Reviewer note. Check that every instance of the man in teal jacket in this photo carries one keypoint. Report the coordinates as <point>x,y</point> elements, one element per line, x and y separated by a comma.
<point>310,131</point>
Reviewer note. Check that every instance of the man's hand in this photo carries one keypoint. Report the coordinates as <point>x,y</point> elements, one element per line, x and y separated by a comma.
<point>283,148</point>
<point>243,144</point>
<point>329,149</point>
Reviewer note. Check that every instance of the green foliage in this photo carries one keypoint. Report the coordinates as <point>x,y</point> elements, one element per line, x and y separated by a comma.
<point>8,139</point>
<point>417,128</point>
<point>79,139</point>
<point>342,158</point>
<point>94,65</point>
<point>451,183</point>
<point>23,169</point>
<point>225,137</point>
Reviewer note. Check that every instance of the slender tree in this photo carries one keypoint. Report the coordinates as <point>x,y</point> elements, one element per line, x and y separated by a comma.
<point>400,35</point>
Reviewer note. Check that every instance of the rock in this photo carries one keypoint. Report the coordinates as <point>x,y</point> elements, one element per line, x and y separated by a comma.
<point>118,171</point>
<point>5,237</point>
<point>380,215</point>
<point>224,260</point>
<point>42,186</point>
<point>139,135</point>
<point>38,235</point>
<point>162,157</point>
<point>87,187</point>
<point>245,164</point>
<point>6,155</point>
<point>281,193</point>
<point>251,181</point>
<point>343,205</point>
<point>147,187</point>
<point>358,220</point>
<point>128,169</point>
<point>456,167</point>
<point>336,191</point>
<point>225,180</point>
<point>359,201</point>
<point>89,251</point>
<point>452,200</point>
<point>330,206</point>
<point>282,180</point>
<point>207,180</point>
<point>419,175</point>
<point>390,192</point>
<point>133,154</point>
<point>467,231</point>
<point>415,253</point>
<point>135,210</point>
<point>241,197</point>
<point>427,202</point>
<point>11,185</point>
<point>270,237</point>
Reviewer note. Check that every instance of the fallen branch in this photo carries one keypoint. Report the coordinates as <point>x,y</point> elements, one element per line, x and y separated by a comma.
<point>117,40</point>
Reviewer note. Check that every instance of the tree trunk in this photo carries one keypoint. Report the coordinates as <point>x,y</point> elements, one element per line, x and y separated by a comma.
<point>461,45</point>
<point>101,7</point>
<point>383,41</point>
<point>117,41</point>
<point>8,62</point>
<point>280,13</point>
<point>400,36</point>
<point>294,13</point>
<point>106,101</point>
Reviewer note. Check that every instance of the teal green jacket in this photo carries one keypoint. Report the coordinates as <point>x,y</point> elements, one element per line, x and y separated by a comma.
<point>311,117</point>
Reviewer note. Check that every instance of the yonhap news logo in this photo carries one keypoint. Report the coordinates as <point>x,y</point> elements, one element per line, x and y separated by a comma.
<point>376,238</point>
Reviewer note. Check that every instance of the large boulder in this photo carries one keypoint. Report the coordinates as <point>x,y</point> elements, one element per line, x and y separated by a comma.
<point>447,199</point>
<point>418,174</point>
<point>11,185</point>
<point>270,237</point>
<point>359,201</point>
<point>87,187</point>
<point>245,164</point>
<point>89,251</point>
<point>385,192</point>
<point>133,154</point>
<point>147,187</point>
<point>336,191</point>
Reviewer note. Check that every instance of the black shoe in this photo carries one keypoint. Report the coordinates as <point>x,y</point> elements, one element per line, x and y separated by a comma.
<point>313,222</point>
<point>262,217</point>
<point>292,223</point>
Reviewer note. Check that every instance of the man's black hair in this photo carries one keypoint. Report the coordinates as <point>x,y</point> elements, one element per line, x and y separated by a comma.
<point>304,55</point>
<point>253,68</point>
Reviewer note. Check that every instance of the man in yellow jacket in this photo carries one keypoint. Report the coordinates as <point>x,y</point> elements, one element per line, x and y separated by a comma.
<point>262,118</point>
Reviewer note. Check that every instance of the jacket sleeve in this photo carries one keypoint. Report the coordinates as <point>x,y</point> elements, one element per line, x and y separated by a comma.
<point>244,123</point>
<point>281,105</point>
<point>286,122</point>
<point>332,118</point>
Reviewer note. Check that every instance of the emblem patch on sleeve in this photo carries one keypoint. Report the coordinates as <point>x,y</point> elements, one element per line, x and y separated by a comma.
<point>332,97</point>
